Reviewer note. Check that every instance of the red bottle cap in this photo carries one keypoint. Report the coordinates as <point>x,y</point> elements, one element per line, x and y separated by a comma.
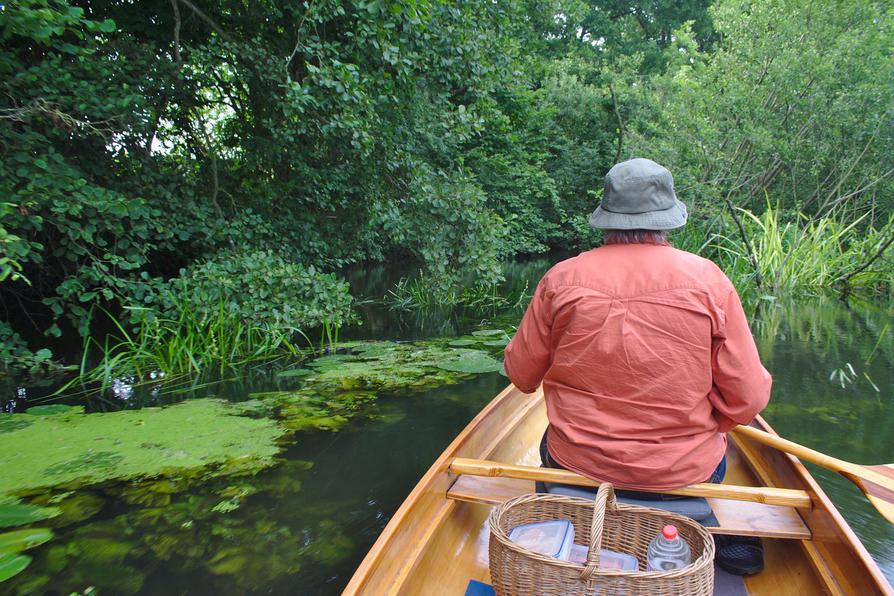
<point>669,532</point>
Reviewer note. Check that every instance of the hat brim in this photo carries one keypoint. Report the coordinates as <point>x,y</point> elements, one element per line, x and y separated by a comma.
<point>667,219</point>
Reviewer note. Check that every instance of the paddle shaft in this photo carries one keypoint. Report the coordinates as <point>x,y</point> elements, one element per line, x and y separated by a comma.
<point>876,482</point>
<point>799,451</point>
<point>767,495</point>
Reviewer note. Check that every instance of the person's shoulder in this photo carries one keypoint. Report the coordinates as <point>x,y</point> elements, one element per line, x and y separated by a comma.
<point>706,270</point>
<point>571,264</point>
<point>696,262</point>
<point>563,269</point>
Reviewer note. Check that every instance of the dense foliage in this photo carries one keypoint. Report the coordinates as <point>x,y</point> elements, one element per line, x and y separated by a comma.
<point>181,157</point>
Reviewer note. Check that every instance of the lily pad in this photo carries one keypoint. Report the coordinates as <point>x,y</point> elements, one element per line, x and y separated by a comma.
<point>497,343</point>
<point>12,564</point>
<point>371,349</point>
<point>331,360</point>
<point>19,540</point>
<point>472,361</point>
<point>459,343</point>
<point>13,513</point>
<point>488,332</point>
<point>295,372</point>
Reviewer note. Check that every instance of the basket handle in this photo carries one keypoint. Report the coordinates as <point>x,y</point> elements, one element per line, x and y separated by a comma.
<point>605,499</point>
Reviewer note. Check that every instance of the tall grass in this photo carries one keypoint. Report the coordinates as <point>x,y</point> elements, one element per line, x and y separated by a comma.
<point>185,343</point>
<point>804,256</point>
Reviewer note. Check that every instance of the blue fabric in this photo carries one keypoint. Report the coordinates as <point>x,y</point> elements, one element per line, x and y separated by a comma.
<point>476,588</point>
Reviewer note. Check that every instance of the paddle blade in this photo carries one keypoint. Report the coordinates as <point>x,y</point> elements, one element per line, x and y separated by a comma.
<point>878,488</point>
<point>886,508</point>
<point>882,494</point>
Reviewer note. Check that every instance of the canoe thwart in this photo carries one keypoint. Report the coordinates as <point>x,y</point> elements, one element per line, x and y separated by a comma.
<point>785,497</point>
<point>736,518</point>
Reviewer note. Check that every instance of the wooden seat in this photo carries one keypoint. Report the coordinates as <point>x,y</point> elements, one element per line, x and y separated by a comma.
<point>740,518</point>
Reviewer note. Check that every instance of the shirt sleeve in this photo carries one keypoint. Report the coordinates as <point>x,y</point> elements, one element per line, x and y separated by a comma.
<point>527,357</point>
<point>741,383</point>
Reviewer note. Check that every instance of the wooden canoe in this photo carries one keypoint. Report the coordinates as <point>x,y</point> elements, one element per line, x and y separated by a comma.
<point>436,542</point>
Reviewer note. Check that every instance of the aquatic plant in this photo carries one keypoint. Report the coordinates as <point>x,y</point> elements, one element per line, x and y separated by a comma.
<point>86,449</point>
<point>12,562</point>
<point>92,448</point>
<point>804,256</point>
<point>420,293</point>
<point>221,527</point>
<point>166,453</point>
<point>15,513</point>
<point>186,344</point>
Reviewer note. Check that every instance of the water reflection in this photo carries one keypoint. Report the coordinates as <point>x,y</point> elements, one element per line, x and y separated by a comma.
<point>803,345</point>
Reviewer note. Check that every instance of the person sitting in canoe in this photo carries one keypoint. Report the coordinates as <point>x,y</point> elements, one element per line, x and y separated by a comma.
<point>643,350</point>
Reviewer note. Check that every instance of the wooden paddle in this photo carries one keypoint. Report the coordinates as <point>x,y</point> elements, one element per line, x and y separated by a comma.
<point>876,482</point>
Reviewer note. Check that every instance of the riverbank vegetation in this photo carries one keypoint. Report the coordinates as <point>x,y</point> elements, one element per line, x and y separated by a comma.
<point>202,171</point>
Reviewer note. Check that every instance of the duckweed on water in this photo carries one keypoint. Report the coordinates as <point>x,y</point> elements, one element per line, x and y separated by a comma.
<point>95,448</point>
<point>389,366</point>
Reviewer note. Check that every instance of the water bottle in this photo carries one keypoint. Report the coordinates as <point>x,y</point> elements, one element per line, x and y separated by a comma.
<point>668,551</point>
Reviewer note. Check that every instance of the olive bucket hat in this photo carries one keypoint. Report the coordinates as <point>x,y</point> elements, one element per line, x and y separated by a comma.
<point>639,194</point>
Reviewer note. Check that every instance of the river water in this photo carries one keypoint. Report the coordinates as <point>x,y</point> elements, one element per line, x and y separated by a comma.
<point>304,524</point>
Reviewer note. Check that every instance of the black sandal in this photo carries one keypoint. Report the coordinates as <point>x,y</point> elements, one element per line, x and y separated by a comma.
<point>739,555</point>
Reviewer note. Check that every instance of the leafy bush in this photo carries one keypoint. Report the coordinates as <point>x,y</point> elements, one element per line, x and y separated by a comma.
<point>261,289</point>
<point>16,358</point>
<point>218,314</point>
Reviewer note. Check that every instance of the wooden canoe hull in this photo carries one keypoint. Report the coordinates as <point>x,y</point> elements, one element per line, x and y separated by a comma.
<point>435,544</point>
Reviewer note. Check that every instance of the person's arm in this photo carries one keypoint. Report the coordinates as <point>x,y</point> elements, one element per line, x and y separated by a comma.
<point>527,357</point>
<point>741,383</point>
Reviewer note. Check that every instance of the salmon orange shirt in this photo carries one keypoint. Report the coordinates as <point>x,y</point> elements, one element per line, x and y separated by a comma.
<point>646,360</point>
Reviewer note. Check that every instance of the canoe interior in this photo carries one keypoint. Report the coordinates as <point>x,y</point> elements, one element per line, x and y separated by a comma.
<point>435,545</point>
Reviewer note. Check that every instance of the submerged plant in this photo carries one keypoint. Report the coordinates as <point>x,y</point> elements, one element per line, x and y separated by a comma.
<point>15,513</point>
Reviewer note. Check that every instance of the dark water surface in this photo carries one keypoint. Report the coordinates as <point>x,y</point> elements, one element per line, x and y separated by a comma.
<point>833,390</point>
<point>305,524</point>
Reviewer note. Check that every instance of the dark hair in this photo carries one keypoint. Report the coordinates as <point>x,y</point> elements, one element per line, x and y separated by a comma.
<point>634,237</point>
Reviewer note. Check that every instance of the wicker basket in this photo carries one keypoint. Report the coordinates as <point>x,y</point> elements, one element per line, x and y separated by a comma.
<point>603,523</point>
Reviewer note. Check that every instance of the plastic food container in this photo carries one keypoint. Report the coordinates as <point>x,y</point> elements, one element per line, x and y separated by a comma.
<point>551,538</point>
<point>608,559</point>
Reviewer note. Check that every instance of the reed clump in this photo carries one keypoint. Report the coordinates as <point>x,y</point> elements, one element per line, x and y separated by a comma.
<point>184,343</point>
<point>802,256</point>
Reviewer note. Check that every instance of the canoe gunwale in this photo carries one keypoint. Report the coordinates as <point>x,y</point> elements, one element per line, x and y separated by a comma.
<point>827,524</point>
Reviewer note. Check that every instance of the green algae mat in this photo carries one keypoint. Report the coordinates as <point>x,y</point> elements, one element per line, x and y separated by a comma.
<point>60,446</point>
<point>72,448</point>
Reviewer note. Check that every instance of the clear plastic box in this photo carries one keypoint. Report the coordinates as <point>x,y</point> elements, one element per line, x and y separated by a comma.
<point>551,538</point>
<point>608,559</point>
